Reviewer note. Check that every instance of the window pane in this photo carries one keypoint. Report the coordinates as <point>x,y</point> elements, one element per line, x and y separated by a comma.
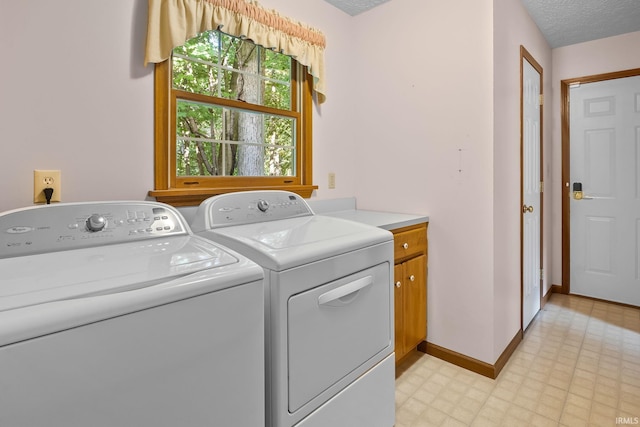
<point>194,158</point>
<point>217,64</point>
<point>196,65</point>
<point>277,72</point>
<point>216,141</point>
<point>280,161</point>
<point>195,77</point>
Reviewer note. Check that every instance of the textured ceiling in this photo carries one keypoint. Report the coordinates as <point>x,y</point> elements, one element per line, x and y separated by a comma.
<point>566,22</point>
<point>563,22</point>
<point>354,7</point>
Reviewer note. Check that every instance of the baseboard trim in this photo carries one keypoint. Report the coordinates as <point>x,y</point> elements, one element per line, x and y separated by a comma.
<point>507,353</point>
<point>546,297</point>
<point>474,365</point>
<point>557,289</point>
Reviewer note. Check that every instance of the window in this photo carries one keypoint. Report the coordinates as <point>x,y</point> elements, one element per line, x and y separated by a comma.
<point>230,115</point>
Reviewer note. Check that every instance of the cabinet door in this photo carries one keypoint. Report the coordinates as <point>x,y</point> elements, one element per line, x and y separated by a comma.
<point>399,311</point>
<point>415,300</point>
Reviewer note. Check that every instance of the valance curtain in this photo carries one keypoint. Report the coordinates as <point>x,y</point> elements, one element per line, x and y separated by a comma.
<point>173,22</point>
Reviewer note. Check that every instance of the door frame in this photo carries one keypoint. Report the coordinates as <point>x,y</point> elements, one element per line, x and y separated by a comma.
<point>565,115</point>
<point>525,55</point>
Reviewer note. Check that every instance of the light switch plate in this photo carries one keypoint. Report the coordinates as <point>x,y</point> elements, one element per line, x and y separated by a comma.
<point>332,180</point>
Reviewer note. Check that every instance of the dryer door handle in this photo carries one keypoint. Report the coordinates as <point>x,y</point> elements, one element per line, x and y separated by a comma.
<point>336,297</point>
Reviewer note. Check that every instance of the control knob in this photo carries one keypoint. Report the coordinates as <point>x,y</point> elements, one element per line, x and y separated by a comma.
<point>96,222</point>
<point>263,205</point>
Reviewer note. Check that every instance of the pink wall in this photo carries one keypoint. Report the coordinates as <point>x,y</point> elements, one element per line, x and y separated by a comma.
<point>424,139</point>
<point>439,134</point>
<point>513,27</point>
<point>75,96</point>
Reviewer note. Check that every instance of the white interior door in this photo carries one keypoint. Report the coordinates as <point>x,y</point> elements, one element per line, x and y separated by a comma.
<point>531,208</point>
<point>605,223</point>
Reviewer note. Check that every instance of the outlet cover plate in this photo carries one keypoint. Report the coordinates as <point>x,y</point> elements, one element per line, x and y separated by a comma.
<point>43,179</point>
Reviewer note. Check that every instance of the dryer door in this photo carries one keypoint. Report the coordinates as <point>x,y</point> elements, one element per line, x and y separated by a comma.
<point>334,329</point>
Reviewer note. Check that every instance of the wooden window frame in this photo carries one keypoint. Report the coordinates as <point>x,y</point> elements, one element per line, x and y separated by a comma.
<point>182,191</point>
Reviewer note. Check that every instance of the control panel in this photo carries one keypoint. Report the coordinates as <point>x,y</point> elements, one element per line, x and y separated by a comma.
<point>66,226</point>
<point>249,207</point>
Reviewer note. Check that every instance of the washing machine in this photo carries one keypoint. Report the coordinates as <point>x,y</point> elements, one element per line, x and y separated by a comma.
<point>328,307</point>
<point>115,314</point>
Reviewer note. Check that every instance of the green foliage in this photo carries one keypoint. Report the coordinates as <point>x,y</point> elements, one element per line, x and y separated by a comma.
<point>211,64</point>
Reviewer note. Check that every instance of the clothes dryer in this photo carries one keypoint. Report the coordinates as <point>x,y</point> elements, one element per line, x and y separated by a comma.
<point>328,304</point>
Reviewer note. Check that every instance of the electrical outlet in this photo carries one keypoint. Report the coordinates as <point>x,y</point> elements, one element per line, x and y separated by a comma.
<point>332,180</point>
<point>46,179</point>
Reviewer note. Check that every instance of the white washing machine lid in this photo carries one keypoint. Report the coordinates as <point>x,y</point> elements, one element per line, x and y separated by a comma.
<point>41,278</point>
<point>287,243</point>
<point>46,293</point>
<point>57,273</point>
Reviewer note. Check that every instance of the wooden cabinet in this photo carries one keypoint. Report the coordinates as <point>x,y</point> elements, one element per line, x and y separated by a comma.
<point>410,279</point>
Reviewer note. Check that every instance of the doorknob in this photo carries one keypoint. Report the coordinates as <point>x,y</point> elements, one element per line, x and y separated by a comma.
<point>526,209</point>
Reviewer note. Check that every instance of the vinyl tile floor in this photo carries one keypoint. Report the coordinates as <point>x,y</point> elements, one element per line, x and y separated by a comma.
<point>578,365</point>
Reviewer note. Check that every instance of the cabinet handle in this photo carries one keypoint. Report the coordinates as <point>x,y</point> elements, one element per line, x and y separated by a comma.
<point>398,284</point>
<point>406,246</point>
<point>412,278</point>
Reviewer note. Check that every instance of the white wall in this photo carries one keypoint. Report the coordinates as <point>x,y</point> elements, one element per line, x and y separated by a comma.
<point>584,59</point>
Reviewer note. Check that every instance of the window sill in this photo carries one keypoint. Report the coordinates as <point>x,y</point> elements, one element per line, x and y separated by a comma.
<point>193,197</point>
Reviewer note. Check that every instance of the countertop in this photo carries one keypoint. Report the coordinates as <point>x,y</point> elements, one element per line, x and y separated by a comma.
<point>346,209</point>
